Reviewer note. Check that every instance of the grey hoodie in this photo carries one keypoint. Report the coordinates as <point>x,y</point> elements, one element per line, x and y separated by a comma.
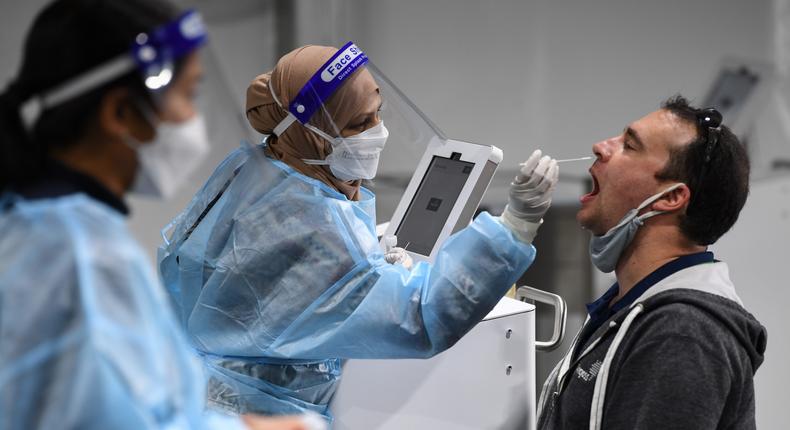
<point>683,356</point>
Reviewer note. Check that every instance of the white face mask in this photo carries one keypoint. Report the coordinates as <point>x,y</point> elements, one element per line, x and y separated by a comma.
<point>167,161</point>
<point>354,157</point>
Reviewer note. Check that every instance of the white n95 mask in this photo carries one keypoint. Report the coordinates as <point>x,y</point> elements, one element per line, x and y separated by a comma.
<point>605,250</point>
<point>166,162</point>
<point>354,157</point>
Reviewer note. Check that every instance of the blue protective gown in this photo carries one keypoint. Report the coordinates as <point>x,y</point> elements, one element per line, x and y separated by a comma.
<point>87,338</point>
<point>277,277</point>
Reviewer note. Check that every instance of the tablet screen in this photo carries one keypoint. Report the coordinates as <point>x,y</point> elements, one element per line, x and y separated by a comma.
<point>432,203</point>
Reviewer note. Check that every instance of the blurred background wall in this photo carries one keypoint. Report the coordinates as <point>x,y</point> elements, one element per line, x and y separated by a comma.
<point>552,74</point>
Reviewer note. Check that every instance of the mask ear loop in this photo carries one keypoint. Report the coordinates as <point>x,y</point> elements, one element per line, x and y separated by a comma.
<point>641,218</point>
<point>333,142</point>
<point>149,116</point>
<point>289,120</point>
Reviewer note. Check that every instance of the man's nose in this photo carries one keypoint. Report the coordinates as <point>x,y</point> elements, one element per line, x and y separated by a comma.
<point>602,150</point>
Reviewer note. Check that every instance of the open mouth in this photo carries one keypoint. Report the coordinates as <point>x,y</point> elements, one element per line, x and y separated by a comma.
<point>589,196</point>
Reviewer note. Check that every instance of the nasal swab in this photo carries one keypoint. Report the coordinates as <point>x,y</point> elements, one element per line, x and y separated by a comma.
<point>574,159</point>
<point>566,160</point>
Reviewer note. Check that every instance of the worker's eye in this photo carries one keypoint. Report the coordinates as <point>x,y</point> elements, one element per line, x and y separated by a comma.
<point>359,126</point>
<point>365,123</point>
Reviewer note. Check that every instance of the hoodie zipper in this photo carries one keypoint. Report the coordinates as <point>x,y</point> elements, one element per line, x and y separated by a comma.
<point>563,378</point>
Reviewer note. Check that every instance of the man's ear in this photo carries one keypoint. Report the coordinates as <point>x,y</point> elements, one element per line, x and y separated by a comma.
<point>119,118</point>
<point>677,199</point>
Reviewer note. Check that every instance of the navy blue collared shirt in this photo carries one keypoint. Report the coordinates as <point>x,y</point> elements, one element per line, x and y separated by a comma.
<point>600,311</point>
<point>58,180</point>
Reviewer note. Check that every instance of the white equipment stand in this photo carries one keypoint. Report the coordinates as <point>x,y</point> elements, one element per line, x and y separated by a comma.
<point>485,381</point>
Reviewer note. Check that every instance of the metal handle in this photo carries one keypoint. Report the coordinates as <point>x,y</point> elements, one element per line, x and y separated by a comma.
<point>560,314</point>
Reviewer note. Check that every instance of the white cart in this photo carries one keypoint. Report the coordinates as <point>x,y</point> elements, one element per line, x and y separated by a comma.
<point>485,381</point>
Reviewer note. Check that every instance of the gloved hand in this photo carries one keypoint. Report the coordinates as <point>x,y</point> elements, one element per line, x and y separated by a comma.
<point>399,256</point>
<point>394,254</point>
<point>530,195</point>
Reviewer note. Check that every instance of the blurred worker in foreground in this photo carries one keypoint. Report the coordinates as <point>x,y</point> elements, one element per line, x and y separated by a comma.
<point>275,264</point>
<point>104,105</point>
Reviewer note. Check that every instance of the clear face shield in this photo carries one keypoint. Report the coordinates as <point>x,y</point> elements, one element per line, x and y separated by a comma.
<point>153,55</point>
<point>354,107</point>
<point>171,76</point>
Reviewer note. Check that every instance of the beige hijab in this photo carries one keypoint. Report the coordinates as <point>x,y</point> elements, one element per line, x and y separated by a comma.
<point>288,77</point>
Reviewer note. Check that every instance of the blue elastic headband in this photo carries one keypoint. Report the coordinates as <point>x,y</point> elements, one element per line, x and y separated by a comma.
<point>151,53</point>
<point>326,81</point>
<point>155,51</point>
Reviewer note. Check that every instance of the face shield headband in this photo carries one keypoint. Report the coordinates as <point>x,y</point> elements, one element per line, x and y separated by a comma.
<point>321,86</point>
<point>153,54</point>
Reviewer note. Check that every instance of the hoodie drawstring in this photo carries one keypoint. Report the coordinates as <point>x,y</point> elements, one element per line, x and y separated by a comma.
<point>599,394</point>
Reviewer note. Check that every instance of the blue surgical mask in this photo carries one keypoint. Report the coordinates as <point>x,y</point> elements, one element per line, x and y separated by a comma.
<point>605,250</point>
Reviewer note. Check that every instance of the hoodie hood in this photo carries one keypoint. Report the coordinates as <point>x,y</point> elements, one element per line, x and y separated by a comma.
<point>708,287</point>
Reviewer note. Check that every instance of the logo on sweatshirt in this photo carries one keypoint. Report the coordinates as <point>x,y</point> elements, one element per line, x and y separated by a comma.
<point>589,375</point>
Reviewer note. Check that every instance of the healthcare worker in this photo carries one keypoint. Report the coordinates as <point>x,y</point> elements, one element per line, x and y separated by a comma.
<point>275,267</point>
<point>103,105</point>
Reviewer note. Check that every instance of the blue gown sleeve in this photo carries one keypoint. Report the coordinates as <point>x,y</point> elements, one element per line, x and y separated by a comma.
<point>418,313</point>
<point>295,280</point>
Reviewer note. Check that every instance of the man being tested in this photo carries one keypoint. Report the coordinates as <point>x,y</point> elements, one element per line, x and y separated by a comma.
<point>669,345</point>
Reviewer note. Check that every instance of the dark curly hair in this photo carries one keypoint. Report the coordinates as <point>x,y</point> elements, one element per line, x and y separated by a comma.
<point>719,187</point>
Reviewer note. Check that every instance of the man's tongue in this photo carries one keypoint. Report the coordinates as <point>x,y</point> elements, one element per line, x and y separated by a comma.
<point>591,195</point>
